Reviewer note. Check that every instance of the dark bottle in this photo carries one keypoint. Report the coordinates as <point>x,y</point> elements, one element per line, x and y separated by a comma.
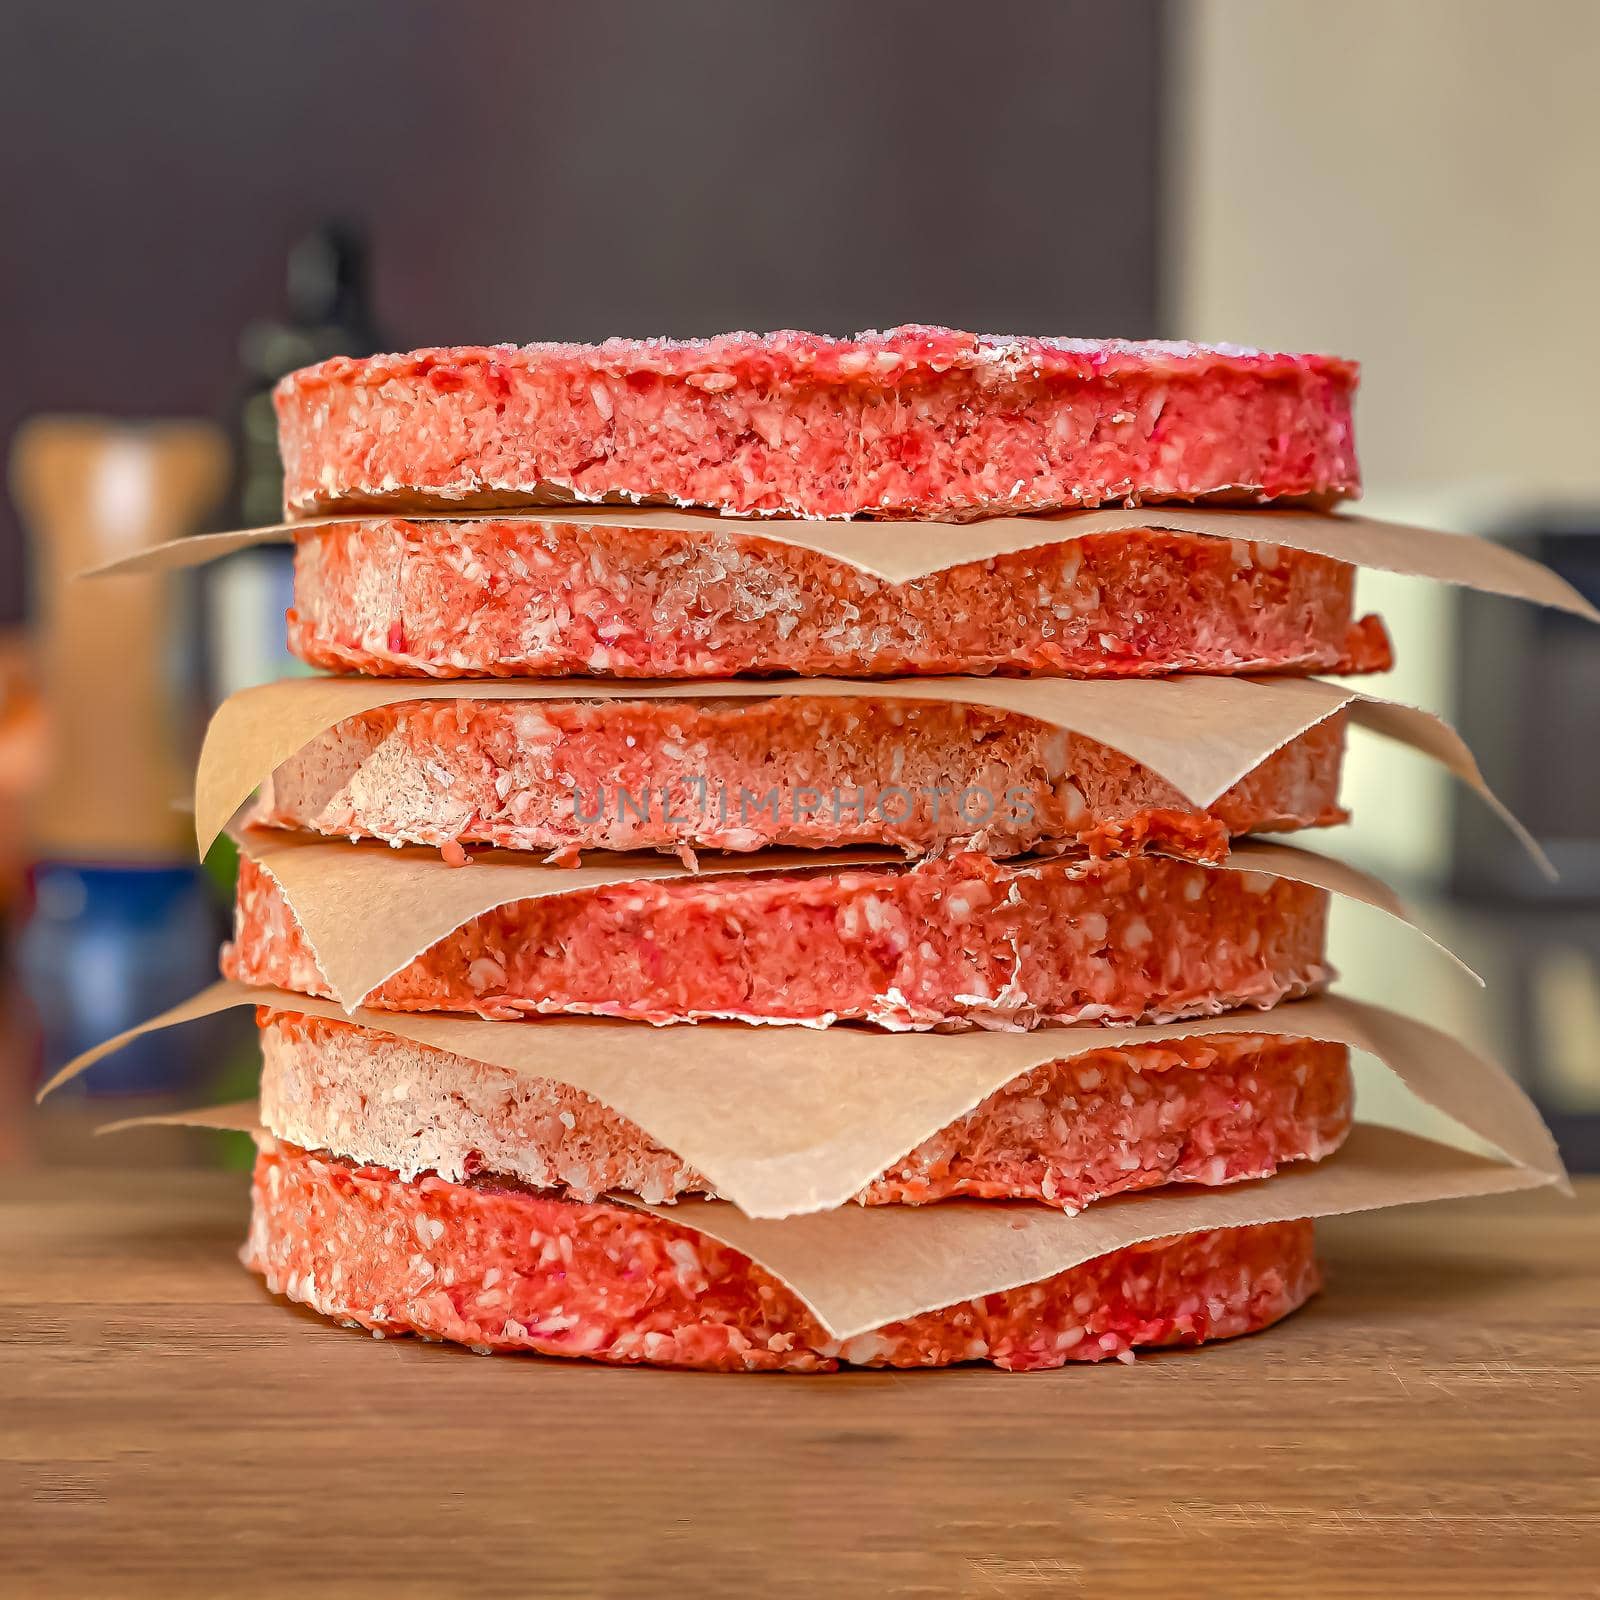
<point>328,314</point>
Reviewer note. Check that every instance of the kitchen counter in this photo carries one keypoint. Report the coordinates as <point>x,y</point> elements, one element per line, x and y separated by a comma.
<point>1426,1426</point>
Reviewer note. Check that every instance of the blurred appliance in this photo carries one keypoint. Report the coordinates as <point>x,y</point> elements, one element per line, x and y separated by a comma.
<point>1529,705</point>
<point>122,923</point>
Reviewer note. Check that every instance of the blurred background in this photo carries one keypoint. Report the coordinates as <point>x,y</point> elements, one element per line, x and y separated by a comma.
<point>200,198</point>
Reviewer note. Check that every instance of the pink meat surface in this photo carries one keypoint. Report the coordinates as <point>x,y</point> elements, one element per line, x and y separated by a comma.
<point>1208,1111</point>
<point>680,775</point>
<point>954,940</point>
<point>915,422</point>
<point>498,1268</point>
<point>496,598</point>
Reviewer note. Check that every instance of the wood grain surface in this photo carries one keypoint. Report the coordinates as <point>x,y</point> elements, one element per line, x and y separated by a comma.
<point>1428,1426</point>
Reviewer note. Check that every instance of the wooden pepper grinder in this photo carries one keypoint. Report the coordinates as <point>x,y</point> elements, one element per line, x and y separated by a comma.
<point>90,491</point>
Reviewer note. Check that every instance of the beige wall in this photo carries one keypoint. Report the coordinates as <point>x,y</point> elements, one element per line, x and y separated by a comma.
<point>1415,183</point>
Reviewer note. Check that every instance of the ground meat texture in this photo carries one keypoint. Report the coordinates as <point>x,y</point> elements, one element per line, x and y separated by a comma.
<point>498,1268</point>
<point>915,422</point>
<point>656,775</point>
<point>954,940</point>
<point>497,598</point>
<point>1208,1111</point>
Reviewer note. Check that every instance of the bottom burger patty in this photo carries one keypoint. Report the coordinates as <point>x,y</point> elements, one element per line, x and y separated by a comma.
<point>496,1267</point>
<point>1210,1111</point>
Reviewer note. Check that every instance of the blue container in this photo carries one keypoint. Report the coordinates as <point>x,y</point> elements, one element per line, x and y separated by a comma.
<point>109,946</point>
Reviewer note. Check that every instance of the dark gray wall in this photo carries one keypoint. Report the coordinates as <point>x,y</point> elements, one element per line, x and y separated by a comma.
<point>560,171</point>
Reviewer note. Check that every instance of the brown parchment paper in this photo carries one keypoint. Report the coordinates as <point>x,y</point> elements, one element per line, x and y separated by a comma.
<point>860,1267</point>
<point>241,1116</point>
<point>1202,734</point>
<point>368,909</point>
<point>901,552</point>
<point>785,1122</point>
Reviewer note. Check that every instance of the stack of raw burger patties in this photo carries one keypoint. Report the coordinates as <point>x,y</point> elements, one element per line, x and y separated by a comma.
<point>1040,879</point>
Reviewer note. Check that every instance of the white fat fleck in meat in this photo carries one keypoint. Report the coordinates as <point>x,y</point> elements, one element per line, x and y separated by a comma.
<point>1072,799</point>
<point>1054,752</point>
<point>876,912</point>
<point>686,1264</point>
<point>865,1348</point>
<point>484,974</point>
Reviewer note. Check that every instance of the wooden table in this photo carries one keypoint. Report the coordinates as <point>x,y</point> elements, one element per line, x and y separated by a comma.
<point>1429,1426</point>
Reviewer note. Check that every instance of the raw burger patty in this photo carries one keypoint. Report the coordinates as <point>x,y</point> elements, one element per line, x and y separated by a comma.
<point>496,598</point>
<point>496,1267</point>
<point>1209,1111</point>
<point>741,774</point>
<point>915,422</point>
<point>960,939</point>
